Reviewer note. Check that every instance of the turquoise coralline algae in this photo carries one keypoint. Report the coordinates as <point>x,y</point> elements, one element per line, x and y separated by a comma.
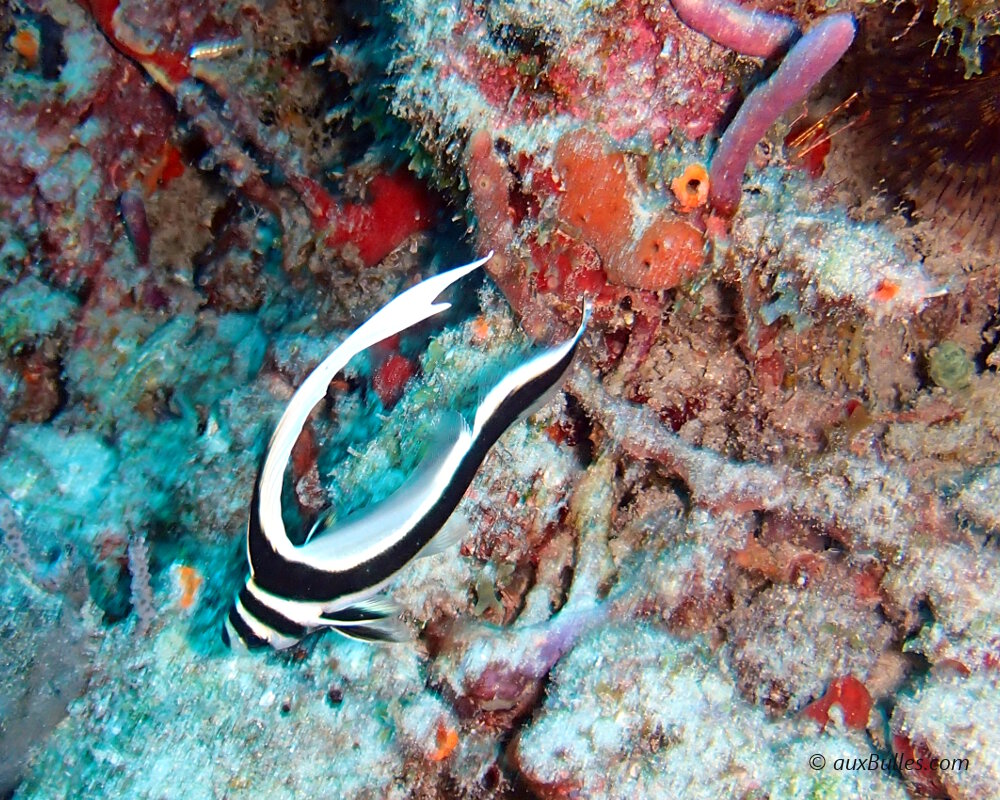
<point>752,541</point>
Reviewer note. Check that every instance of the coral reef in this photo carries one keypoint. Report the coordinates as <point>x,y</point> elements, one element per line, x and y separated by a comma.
<point>750,550</point>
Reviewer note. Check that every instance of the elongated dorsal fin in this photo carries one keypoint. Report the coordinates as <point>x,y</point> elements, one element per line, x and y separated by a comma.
<point>416,304</point>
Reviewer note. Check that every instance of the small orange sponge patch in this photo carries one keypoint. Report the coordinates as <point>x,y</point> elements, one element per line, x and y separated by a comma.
<point>691,188</point>
<point>187,583</point>
<point>447,740</point>
<point>25,43</point>
<point>885,291</point>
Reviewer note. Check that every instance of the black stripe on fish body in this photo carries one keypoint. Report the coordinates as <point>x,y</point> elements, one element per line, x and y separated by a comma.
<point>269,617</point>
<point>250,639</point>
<point>299,581</point>
<point>272,572</point>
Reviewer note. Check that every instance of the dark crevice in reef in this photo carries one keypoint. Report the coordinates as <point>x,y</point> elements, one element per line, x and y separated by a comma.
<point>580,430</point>
<point>930,130</point>
<point>991,341</point>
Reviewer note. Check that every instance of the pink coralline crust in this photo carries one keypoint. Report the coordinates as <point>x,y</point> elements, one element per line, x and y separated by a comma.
<point>490,189</point>
<point>652,79</point>
<point>747,31</point>
<point>806,63</point>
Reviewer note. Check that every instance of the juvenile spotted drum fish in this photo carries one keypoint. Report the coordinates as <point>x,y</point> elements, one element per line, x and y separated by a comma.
<point>333,580</point>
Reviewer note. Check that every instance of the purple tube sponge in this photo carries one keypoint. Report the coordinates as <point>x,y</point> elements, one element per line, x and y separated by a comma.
<point>750,32</point>
<point>806,63</point>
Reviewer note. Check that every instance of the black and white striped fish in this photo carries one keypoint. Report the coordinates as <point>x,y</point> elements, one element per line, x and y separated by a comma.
<point>333,579</point>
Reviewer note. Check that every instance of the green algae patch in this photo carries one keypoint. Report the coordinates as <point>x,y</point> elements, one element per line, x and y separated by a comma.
<point>950,367</point>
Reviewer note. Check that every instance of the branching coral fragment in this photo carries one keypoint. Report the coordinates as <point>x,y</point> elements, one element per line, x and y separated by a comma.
<point>859,500</point>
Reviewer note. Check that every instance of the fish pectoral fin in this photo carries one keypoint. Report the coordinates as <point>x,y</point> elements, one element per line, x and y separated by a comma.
<point>387,629</point>
<point>323,521</point>
<point>373,620</point>
<point>373,608</point>
<point>451,427</point>
<point>451,534</point>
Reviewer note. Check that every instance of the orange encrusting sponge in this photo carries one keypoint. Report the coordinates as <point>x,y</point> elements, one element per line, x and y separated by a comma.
<point>669,252</point>
<point>596,204</point>
<point>595,199</point>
